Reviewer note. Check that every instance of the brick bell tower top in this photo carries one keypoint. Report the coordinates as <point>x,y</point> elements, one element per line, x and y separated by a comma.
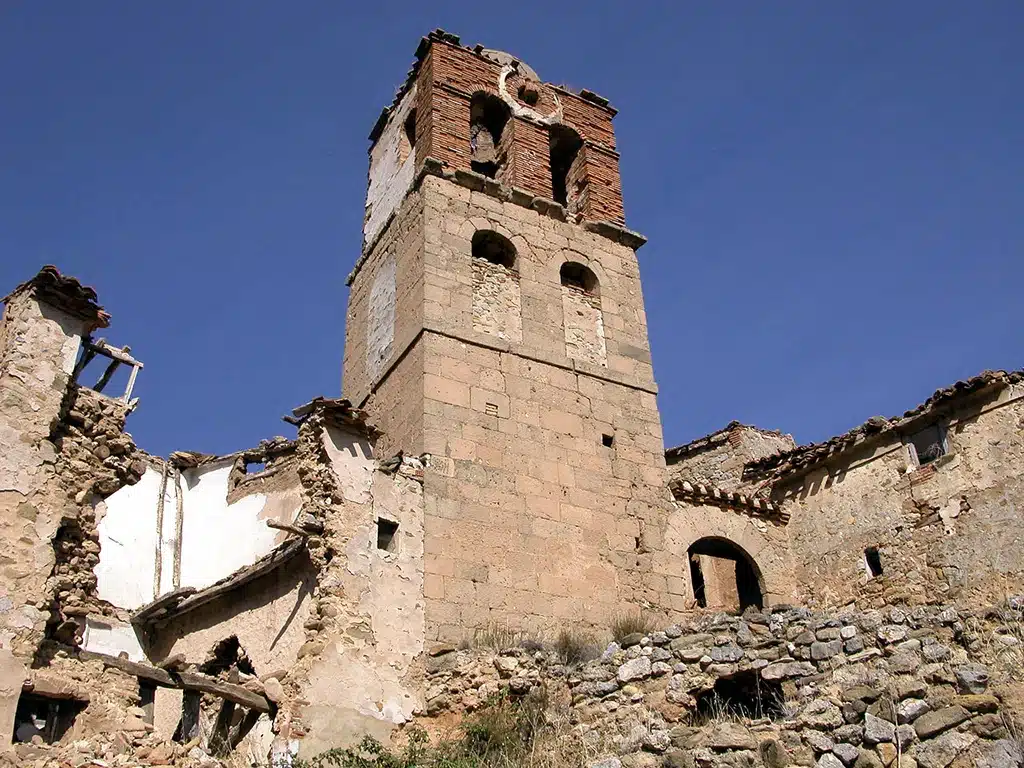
<point>476,110</point>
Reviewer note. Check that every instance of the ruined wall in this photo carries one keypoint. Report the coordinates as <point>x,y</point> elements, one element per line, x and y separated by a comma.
<point>37,361</point>
<point>718,459</point>
<point>950,530</point>
<point>446,76</point>
<point>149,548</point>
<point>930,687</point>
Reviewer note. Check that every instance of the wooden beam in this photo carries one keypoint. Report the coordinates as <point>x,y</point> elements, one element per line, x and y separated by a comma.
<point>229,691</point>
<point>190,681</point>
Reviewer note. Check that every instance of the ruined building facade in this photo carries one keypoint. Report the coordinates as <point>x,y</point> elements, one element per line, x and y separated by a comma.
<point>497,459</point>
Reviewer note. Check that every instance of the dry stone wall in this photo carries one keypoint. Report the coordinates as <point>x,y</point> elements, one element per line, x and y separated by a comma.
<point>904,686</point>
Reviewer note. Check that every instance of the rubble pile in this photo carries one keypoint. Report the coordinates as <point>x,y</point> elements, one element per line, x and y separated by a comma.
<point>928,686</point>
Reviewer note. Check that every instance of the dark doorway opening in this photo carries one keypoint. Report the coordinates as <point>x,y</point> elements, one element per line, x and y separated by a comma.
<point>724,576</point>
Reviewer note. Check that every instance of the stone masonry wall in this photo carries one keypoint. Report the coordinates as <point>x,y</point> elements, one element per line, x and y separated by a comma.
<point>497,303</point>
<point>932,687</point>
<point>584,326</point>
<point>950,530</point>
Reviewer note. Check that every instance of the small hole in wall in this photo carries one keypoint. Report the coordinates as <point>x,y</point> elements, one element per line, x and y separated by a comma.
<point>607,440</point>
<point>386,530</point>
<point>491,409</point>
<point>874,561</point>
<point>254,467</point>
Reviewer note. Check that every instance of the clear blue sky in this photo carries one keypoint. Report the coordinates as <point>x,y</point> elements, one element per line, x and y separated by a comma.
<point>832,190</point>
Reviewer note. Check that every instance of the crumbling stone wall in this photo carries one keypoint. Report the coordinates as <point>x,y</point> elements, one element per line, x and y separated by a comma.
<point>947,531</point>
<point>931,686</point>
<point>446,76</point>
<point>718,459</point>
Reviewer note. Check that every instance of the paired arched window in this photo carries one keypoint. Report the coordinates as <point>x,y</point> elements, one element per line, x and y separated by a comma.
<point>581,314</point>
<point>497,302</point>
<point>487,118</point>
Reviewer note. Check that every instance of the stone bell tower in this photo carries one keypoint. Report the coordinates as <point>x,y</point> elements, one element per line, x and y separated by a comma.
<point>496,322</point>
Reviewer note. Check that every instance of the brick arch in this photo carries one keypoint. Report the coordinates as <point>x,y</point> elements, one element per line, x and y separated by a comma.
<point>767,548</point>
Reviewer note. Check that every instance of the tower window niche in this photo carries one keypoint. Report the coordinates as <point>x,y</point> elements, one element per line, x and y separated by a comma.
<point>581,314</point>
<point>566,177</point>
<point>487,118</point>
<point>497,302</point>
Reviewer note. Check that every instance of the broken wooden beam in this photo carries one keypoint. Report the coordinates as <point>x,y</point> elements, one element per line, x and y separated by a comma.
<point>189,681</point>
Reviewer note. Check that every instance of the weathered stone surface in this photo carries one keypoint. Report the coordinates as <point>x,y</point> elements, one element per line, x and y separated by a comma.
<point>972,678</point>
<point>821,714</point>
<point>877,730</point>
<point>1005,753</point>
<point>828,760</point>
<point>634,669</point>
<point>726,735</point>
<point>827,650</point>
<point>911,709</point>
<point>933,723</point>
<point>941,752</point>
<point>846,752</point>
<point>787,669</point>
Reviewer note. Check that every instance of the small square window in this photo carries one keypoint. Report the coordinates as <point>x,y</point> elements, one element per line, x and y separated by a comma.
<point>929,444</point>
<point>607,440</point>
<point>386,530</point>
<point>874,561</point>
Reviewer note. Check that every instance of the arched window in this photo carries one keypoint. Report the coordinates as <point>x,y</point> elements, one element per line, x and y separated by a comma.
<point>566,180</point>
<point>487,117</point>
<point>724,576</point>
<point>581,314</point>
<point>497,303</point>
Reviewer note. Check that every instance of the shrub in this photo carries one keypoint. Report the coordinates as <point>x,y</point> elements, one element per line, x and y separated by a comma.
<point>575,646</point>
<point>629,623</point>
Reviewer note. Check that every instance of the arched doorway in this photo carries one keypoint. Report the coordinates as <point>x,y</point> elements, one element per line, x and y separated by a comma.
<point>724,576</point>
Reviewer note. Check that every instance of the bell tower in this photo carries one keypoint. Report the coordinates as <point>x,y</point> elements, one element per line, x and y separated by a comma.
<point>496,322</point>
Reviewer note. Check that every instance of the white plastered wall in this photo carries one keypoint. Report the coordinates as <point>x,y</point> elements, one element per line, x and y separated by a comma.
<point>217,538</point>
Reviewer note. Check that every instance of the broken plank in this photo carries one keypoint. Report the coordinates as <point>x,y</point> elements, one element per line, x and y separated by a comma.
<point>229,691</point>
<point>192,681</point>
<point>168,600</point>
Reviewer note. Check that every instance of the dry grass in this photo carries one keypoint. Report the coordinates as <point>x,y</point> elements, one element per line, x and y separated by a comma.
<point>524,733</point>
<point>575,646</point>
<point>629,623</point>
<point>503,637</point>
